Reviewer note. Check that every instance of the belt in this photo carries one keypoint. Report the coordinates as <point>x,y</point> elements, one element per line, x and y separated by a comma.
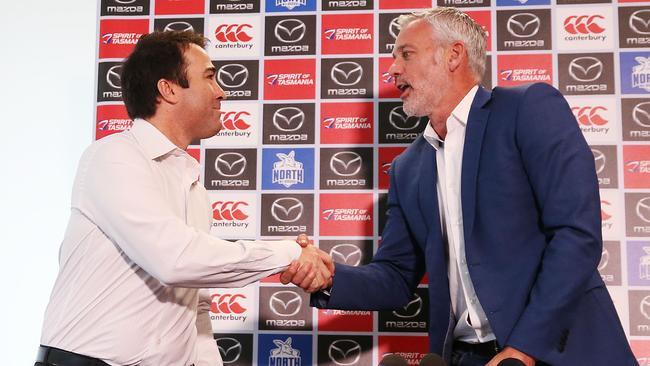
<point>488,349</point>
<point>58,357</point>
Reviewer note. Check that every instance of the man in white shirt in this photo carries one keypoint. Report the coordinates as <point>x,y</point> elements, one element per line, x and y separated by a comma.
<point>137,248</point>
<point>498,203</point>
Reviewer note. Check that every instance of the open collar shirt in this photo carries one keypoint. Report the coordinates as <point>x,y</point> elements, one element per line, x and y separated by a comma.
<point>471,322</point>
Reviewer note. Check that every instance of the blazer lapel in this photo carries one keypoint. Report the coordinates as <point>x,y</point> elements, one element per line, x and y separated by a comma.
<point>427,196</point>
<point>475,130</point>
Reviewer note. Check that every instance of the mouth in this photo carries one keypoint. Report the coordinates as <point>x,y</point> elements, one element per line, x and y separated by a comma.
<point>404,87</point>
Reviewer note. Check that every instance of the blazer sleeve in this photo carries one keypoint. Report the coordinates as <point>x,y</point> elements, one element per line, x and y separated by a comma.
<point>390,279</point>
<point>561,171</point>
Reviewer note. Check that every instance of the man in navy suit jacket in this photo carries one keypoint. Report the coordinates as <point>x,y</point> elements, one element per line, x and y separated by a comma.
<point>498,202</point>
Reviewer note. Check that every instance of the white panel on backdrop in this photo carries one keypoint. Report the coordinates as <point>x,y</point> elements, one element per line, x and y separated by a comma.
<point>234,215</point>
<point>234,36</point>
<point>597,118</point>
<point>582,28</point>
<point>241,125</point>
<point>234,309</point>
<point>611,209</point>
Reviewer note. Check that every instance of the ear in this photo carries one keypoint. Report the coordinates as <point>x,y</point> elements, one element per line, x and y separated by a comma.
<point>168,91</point>
<point>456,55</point>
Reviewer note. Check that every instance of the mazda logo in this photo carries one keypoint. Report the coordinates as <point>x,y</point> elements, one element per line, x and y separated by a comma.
<point>640,21</point>
<point>599,160</point>
<point>523,25</point>
<point>346,253</point>
<point>124,1</point>
<point>644,307</point>
<point>290,30</point>
<point>288,119</point>
<point>643,209</point>
<point>344,352</point>
<point>229,348</point>
<point>287,209</point>
<point>179,27</point>
<point>394,28</point>
<point>232,75</point>
<point>641,114</point>
<point>346,163</point>
<point>113,77</point>
<point>346,73</point>
<point>411,310</point>
<point>285,303</point>
<point>230,164</point>
<point>604,259</point>
<point>585,69</point>
<point>401,121</point>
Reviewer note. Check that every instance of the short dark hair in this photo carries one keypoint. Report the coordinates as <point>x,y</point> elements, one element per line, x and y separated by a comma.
<point>157,55</point>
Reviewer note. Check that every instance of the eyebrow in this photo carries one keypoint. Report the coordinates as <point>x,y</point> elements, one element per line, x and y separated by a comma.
<point>210,69</point>
<point>399,49</point>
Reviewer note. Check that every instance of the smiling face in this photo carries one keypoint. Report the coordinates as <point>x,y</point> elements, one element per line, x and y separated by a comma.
<point>201,101</point>
<point>418,69</point>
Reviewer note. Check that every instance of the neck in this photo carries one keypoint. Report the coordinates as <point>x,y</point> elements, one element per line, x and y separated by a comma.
<point>171,129</point>
<point>450,99</point>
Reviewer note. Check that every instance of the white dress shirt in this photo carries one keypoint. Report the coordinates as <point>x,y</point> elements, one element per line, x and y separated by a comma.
<point>136,250</point>
<point>472,325</point>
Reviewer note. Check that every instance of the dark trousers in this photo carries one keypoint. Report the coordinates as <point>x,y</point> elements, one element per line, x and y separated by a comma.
<point>466,354</point>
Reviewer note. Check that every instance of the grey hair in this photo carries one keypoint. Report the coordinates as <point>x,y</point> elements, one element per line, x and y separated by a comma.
<point>450,25</point>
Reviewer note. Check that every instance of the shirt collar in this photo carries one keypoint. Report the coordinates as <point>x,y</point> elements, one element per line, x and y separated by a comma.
<point>154,142</point>
<point>459,114</point>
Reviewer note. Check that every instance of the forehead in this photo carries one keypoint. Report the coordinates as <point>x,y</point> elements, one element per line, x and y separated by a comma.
<point>417,33</point>
<point>196,56</point>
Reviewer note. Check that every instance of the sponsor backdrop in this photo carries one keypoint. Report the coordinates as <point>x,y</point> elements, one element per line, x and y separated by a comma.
<point>313,123</point>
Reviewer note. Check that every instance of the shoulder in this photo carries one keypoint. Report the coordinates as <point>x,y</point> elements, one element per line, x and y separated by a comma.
<point>525,91</point>
<point>119,147</point>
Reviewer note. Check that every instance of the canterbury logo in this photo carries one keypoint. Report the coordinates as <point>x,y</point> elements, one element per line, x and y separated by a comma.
<point>227,304</point>
<point>229,210</point>
<point>604,215</point>
<point>583,24</point>
<point>589,116</point>
<point>233,33</point>
<point>235,121</point>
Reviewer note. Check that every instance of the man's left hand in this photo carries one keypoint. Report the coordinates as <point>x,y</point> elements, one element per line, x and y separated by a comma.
<point>510,352</point>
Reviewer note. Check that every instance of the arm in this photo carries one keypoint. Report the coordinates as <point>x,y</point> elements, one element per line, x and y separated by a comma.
<point>396,268</point>
<point>560,167</point>
<point>121,194</point>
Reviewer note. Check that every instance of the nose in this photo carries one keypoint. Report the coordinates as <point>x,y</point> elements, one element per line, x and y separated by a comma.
<point>220,93</point>
<point>395,69</point>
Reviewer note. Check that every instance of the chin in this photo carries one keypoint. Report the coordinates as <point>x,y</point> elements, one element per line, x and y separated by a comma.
<point>412,111</point>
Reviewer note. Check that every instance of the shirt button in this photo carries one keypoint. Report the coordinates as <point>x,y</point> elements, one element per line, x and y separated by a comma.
<point>473,301</point>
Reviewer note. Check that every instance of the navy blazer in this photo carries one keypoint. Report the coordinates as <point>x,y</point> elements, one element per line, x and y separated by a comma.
<point>532,228</point>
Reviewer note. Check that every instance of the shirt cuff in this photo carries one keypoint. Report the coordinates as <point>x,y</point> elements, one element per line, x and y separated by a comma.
<point>288,248</point>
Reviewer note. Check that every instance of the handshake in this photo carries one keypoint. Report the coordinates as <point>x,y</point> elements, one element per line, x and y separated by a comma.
<point>313,271</point>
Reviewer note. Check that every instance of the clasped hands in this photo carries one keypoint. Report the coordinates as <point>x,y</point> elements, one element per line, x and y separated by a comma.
<point>312,271</point>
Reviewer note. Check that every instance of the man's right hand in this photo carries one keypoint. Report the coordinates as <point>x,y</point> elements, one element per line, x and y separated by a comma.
<point>312,272</point>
